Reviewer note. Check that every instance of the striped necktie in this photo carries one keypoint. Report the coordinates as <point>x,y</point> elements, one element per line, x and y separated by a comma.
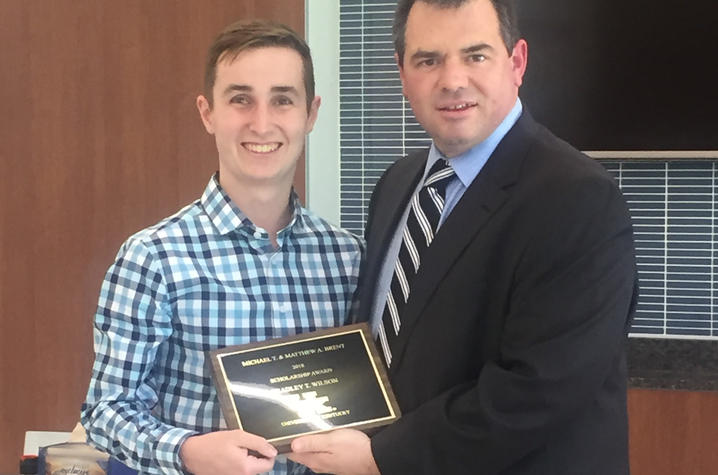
<point>421,226</point>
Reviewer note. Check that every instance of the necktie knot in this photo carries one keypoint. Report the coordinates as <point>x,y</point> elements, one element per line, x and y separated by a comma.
<point>439,176</point>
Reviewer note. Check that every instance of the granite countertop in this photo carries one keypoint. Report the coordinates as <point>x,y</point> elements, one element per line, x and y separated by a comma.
<point>666,363</point>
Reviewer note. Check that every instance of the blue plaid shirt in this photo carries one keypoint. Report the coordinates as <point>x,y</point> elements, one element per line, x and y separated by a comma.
<point>202,279</point>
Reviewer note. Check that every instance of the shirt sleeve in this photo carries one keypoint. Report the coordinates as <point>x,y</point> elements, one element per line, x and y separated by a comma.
<point>133,320</point>
<point>352,314</point>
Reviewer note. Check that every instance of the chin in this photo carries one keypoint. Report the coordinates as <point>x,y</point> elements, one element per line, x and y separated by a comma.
<point>455,142</point>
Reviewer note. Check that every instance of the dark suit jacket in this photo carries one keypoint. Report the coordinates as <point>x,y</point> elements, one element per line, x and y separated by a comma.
<point>512,353</point>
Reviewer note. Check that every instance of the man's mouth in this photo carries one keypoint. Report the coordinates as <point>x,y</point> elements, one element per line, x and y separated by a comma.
<point>261,147</point>
<point>457,107</point>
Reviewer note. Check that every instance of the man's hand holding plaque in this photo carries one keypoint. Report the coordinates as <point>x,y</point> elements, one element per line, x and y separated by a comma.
<point>227,451</point>
<point>333,452</point>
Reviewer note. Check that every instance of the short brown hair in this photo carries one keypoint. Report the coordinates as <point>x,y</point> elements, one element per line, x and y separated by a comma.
<point>248,34</point>
<point>505,9</point>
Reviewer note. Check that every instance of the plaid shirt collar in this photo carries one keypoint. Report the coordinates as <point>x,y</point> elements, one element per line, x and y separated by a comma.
<point>227,217</point>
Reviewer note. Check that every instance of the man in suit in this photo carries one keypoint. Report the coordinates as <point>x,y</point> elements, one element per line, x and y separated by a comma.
<point>507,346</point>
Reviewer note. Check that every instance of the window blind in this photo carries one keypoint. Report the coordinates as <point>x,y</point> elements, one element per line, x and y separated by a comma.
<point>672,202</point>
<point>673,208</point>
<point>376,124</point>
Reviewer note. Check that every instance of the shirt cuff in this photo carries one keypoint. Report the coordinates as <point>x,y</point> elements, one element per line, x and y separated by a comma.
<point>167,453</point>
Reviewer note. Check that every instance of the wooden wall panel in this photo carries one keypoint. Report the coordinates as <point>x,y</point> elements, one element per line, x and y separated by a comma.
<point>99,137</point>
<point>673,432</point>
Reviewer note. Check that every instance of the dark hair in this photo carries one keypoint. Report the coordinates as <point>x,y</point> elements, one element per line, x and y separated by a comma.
<point>244,35</point>
<point>505,9</point>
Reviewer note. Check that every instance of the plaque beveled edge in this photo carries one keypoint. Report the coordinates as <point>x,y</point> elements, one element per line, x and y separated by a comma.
<point>229,408</point>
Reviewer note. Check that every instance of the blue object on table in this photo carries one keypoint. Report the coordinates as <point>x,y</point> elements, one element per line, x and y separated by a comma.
<point>115,467</point>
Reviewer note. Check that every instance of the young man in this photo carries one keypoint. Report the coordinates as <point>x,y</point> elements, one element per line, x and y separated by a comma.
<point>243,263</point>
<point>505,330</point>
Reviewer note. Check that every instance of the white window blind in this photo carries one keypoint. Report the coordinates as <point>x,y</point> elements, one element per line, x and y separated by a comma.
<point>377,125</point>
<point>672,203</point>
<point>673,208</point>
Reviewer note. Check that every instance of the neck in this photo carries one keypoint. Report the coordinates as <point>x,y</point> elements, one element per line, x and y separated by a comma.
<point>266,206</point>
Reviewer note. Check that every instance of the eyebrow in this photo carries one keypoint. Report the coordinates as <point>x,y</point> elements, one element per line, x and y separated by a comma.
<point>275,89</point>
<point>422,54</point>
<point>477,48</point>
<point>285,89</point>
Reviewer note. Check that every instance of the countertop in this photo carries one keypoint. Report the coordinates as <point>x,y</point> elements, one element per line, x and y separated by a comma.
<point>666,363</point>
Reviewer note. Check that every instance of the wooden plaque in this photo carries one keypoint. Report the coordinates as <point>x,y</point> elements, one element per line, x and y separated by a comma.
<point>312,382</point>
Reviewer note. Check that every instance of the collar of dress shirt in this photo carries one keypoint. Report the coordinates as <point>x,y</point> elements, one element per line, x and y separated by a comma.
<point>468,165</point>
<point>227,217</point>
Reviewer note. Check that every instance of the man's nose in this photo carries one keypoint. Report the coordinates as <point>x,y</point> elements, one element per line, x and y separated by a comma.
<point>261,119</point>
<point>453,75</point>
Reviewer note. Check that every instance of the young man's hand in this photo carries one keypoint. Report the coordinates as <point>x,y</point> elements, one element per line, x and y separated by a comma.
<point>227,452</point>
<point>343,451</point>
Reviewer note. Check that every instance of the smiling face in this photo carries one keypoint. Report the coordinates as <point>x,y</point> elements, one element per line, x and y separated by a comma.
<point>456,73</point>
<point>259,117</point>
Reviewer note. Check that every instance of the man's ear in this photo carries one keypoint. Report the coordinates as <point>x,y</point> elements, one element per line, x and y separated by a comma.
<point>519,60</point>
<point>312,113</point>
<point>205,113</point>
<point>401,72</point>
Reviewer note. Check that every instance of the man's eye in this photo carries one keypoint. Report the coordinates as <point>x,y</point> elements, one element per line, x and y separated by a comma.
<point>283,101</point>
<point>427,62</point>
<point>239,100</point>
<point>477,58</point>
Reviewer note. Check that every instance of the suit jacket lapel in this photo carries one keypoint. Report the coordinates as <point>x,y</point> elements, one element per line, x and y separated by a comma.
<point>484,197</point>
<point>384,219</point>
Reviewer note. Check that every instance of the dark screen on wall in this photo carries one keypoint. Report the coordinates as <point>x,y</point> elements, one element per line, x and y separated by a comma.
<point>624,75</point>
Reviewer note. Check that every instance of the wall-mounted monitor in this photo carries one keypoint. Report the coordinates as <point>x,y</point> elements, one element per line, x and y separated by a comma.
<point>624,74</point>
